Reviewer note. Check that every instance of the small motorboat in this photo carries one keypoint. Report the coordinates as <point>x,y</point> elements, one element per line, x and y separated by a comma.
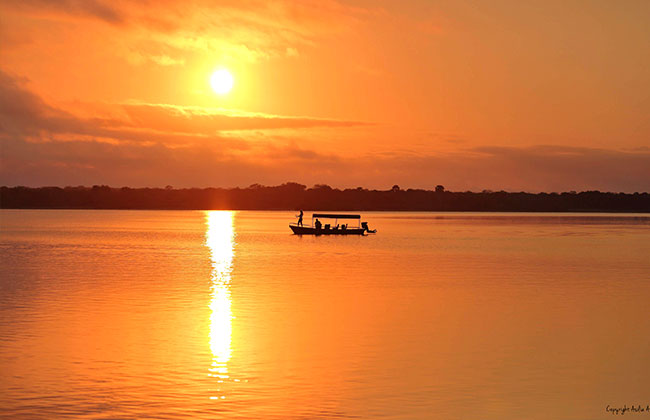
<point>318,228</point>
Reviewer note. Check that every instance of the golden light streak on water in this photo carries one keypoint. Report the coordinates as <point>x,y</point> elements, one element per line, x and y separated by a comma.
<point>219,238</point>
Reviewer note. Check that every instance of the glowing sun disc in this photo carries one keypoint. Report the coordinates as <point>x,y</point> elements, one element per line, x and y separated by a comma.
<point>222,81</point>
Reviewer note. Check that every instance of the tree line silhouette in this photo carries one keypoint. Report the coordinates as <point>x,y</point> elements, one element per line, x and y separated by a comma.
<point>292,196</point>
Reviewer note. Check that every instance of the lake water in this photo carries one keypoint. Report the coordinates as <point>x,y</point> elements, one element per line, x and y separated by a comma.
<point>191,314</point>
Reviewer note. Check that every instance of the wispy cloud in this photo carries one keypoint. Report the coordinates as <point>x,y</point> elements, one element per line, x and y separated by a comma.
<point>201,120</point>
<point>95,9</point>
<point>248,30</point>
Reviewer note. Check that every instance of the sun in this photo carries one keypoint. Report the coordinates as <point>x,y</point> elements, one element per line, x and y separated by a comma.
<point>222,81</point>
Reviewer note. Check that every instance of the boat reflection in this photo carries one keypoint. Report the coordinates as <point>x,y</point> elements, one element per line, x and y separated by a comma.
<point>219,239</point>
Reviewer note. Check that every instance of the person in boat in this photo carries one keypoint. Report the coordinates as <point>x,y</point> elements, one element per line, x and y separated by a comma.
<point>318,224</point>
<point>300,218</point>
<point>364,225</point>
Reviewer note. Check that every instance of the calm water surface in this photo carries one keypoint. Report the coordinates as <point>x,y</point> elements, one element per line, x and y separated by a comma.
<point>137,314</point>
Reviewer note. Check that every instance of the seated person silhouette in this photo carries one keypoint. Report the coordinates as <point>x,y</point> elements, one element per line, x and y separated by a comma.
<point>318,224</point>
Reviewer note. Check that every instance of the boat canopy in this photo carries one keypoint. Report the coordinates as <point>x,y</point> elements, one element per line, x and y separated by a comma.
<point>336,216</point>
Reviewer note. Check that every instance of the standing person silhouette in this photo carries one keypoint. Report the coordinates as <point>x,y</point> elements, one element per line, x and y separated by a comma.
<point>300,218</point>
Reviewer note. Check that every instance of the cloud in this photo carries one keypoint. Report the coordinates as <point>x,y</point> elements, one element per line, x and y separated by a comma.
<point>188,119</point>
<point>140,164</point>
<point>25,115</point>
<point>135,142</point>
<point>140,58</point>
<point>165,60</point>
<point>102,10</point>
<point>538,168</point>
<point>140,144</point>
<point>292,52</point>
<point>249,30</point>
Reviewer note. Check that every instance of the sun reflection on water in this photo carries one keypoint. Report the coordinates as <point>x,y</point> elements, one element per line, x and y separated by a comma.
<point>219,238</point>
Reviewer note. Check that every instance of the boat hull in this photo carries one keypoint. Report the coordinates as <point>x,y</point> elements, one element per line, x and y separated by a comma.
<point>308,230</point>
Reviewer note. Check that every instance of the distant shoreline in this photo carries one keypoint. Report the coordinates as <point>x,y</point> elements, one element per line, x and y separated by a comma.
<point>293,196</point>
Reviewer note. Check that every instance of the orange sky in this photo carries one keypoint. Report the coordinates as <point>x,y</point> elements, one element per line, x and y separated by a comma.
<point>536,95</point>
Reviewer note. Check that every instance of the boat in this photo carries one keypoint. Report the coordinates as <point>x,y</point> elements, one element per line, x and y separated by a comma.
<point>318,228</point>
